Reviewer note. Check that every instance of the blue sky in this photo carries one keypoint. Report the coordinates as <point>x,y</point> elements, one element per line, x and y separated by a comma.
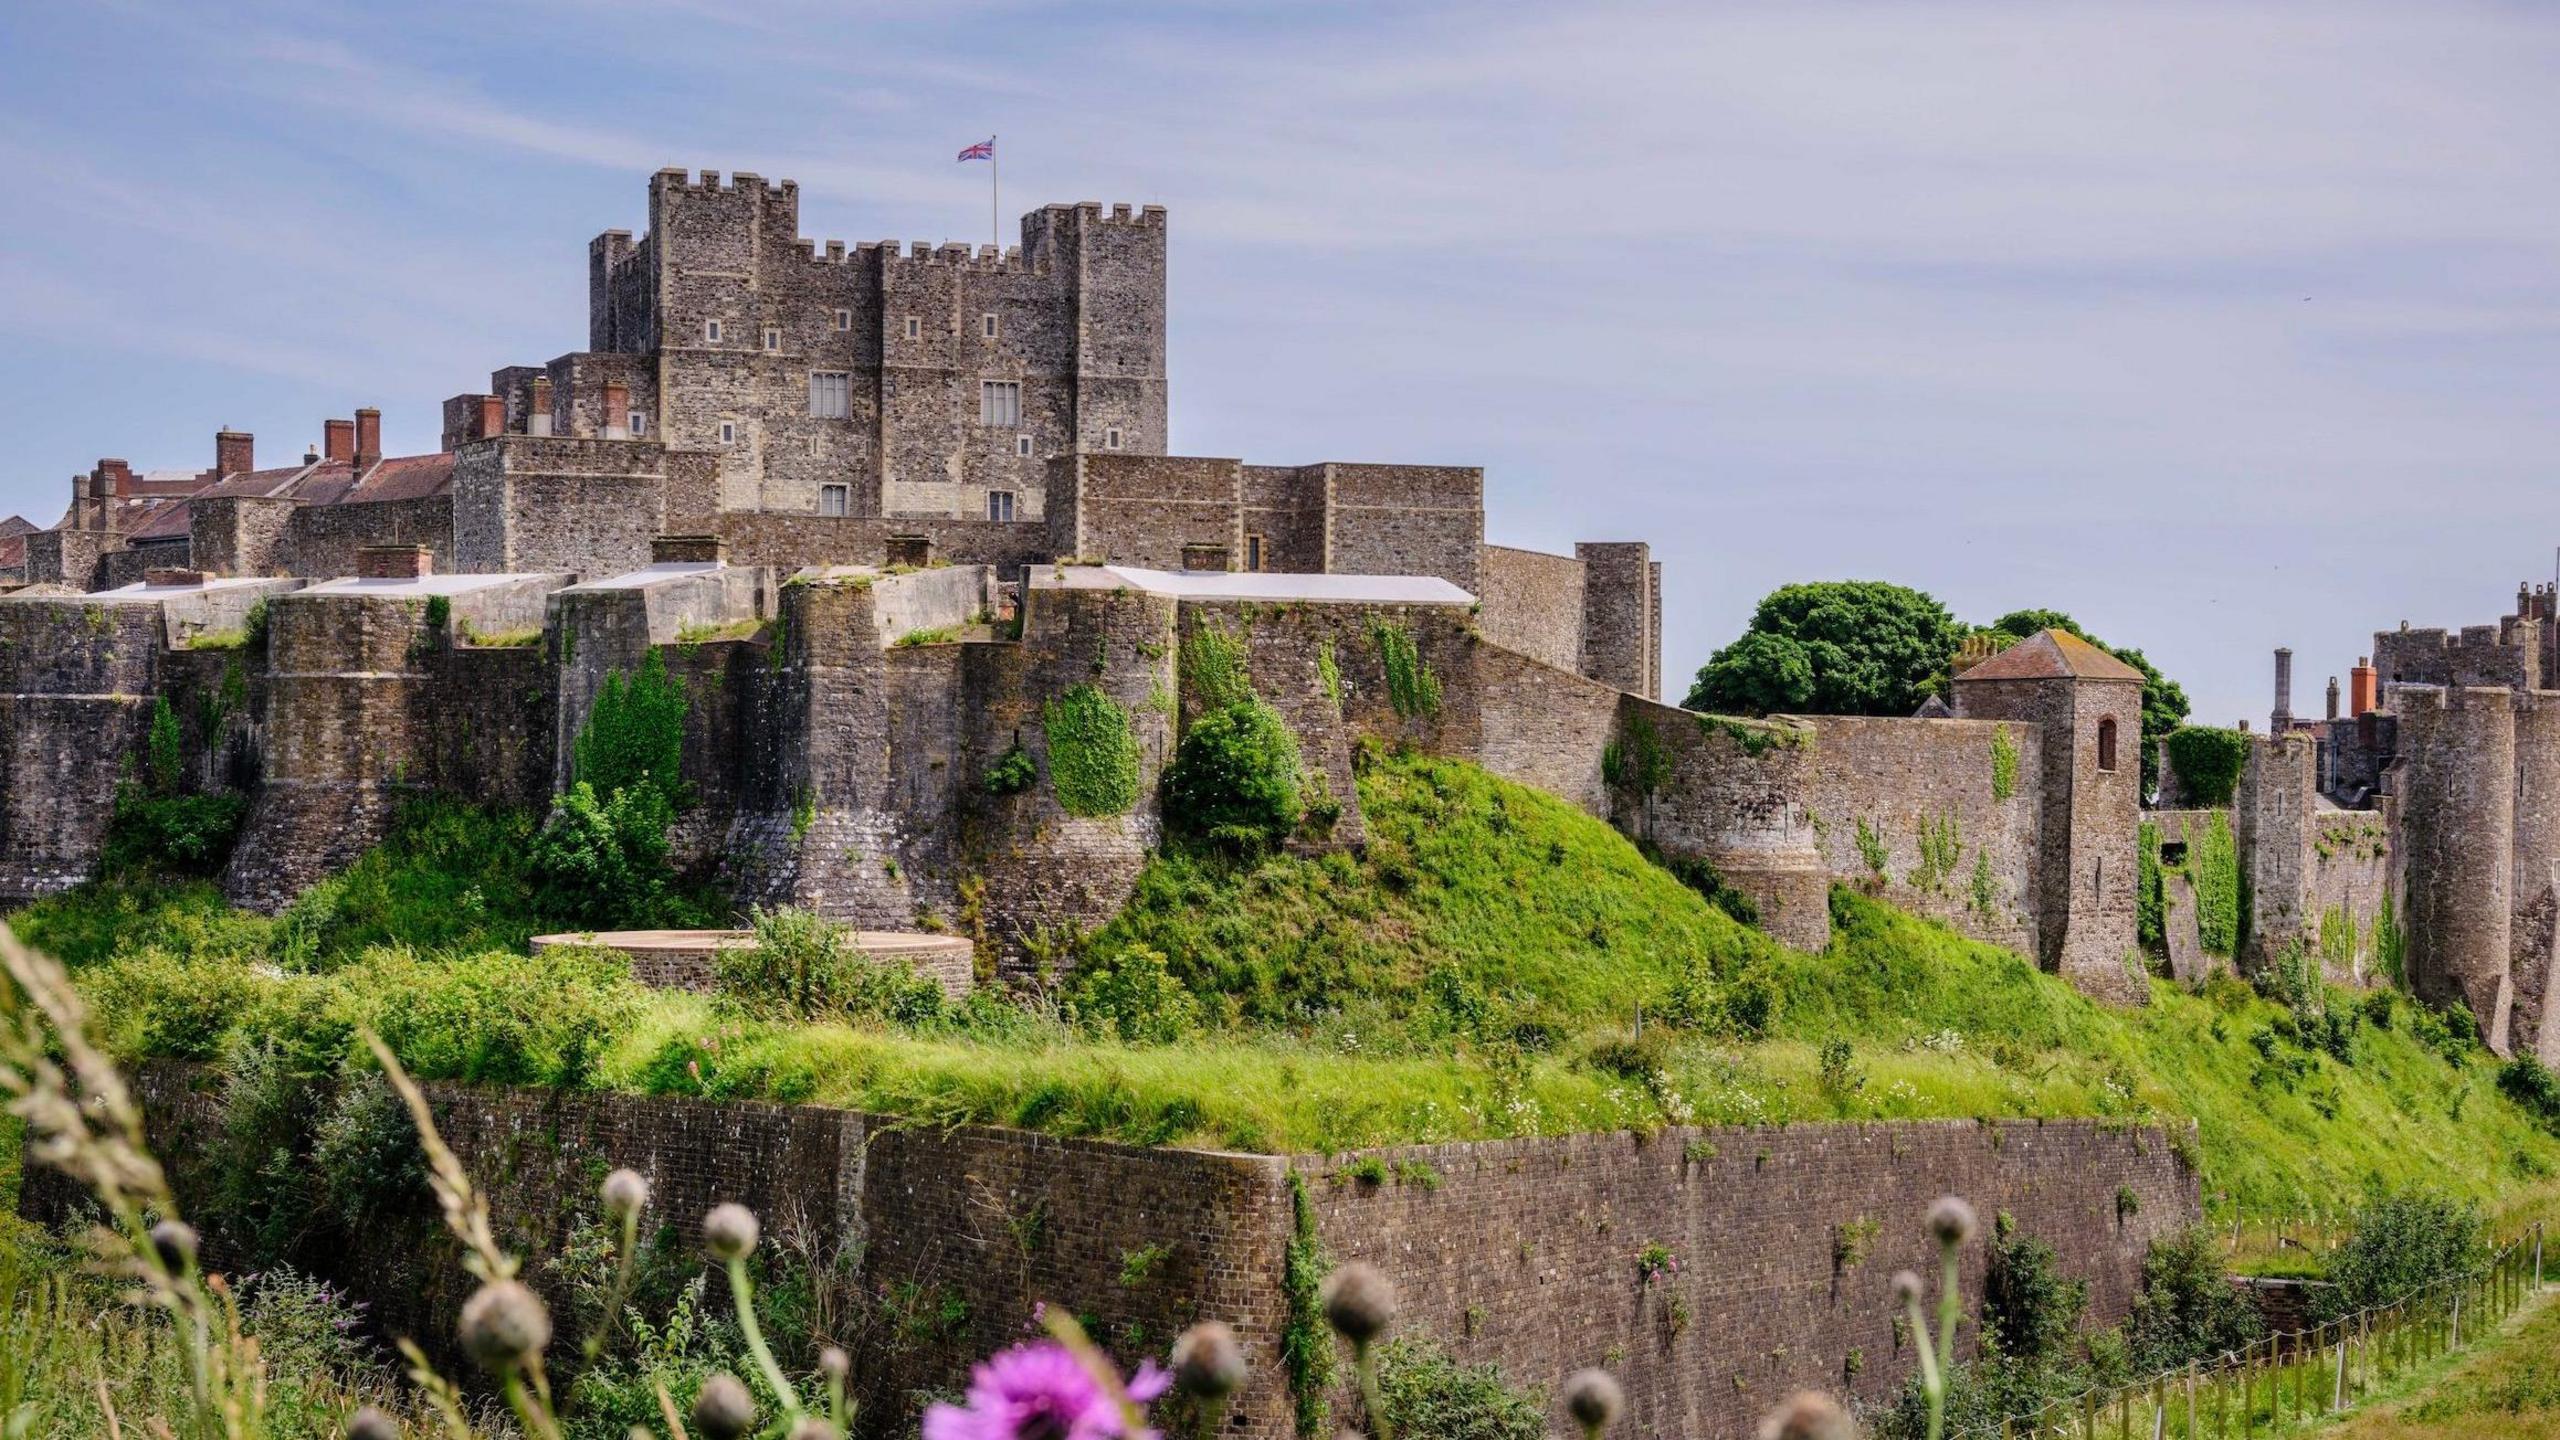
<point>2221,327</point>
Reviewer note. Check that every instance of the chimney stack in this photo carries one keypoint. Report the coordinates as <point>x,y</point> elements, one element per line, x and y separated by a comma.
<point>235,452</point>
<point>394,562</point>
<point>338,441</point>
<point>617,410</point>
<point>2360,687</point>
<point>2333,697</point>
<point>368,438</point>
<point>493,416</point>
<point>537,411</point>
<point>2281,718</point>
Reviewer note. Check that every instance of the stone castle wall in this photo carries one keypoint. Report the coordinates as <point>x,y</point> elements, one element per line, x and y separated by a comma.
<point>1533,604</point>
<point>1928,797</point>
<point>1521,1252</point>
<point>1524,1252</point>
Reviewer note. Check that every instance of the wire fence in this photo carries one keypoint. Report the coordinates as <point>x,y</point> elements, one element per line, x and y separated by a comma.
<point>2298,1375</point>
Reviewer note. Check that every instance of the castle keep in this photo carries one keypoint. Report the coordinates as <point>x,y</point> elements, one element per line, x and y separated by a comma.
<point>884,510</point>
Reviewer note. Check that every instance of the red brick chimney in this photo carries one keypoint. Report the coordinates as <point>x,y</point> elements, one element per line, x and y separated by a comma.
<point>368,438</point>
<point>2361,691</point>
<point>338,441</point>
<point>493,415</point>
<point>617,410</point>
<point>235,452</point>
<point>394,562</point>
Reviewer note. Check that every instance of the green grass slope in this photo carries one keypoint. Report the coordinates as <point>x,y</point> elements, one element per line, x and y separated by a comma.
<point>1477,972</point>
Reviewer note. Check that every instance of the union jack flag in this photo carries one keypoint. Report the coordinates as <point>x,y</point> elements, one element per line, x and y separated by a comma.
<point>983,150</point>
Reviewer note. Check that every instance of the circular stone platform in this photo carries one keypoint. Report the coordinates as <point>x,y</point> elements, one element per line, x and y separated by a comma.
<point>683,959</point>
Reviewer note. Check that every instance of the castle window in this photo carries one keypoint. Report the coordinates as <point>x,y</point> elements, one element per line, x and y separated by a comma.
<point>773,337</point>
<point>1253,552</point>
<point>639,422</point>
<point>844,319</point>
<point>728,432</point>
<point>1000,403</point>
<point>830,395</point>
<point>2107,743</point>
<point>835,499</point>
<point>710,332</point>
<point>915,328</point>
<point>1111,438</point>
<point>1022,446</point>
<point>987,326</point>
<point>999,504</point>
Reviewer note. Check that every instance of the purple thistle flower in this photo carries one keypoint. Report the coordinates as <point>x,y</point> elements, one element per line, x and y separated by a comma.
<point>1040,1392</point>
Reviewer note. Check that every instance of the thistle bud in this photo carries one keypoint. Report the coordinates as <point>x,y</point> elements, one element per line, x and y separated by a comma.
<point>834,1364</point>
<point>1952,1221</point>
<point>1906,1288</point>
<point>1207,1361</point>
<point>812,1427</point>
<point>729,1232</point>
<point>505,1327</point>
<point>625,1194</point>
<point>174,1241</point>
<point>371,1424</point>
<point>1359,1302</point>
<point>723,1410</point>
<point>1593,1399</point>
<point>1807,1415</point>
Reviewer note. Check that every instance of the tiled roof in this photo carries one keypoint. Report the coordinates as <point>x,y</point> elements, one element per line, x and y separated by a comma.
<point>13,551</point>
<point>2052,655</point>
<point>328,482</point>
<point>17,525</point>
<point>409,477</point>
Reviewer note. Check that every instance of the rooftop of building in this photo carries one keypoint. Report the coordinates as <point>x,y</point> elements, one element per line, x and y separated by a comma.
<point>2052,655</point>
<point>420,586</point>
<point>641,579</point>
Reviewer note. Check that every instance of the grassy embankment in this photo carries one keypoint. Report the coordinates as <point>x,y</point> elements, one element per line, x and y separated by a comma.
<point>1478,972</point>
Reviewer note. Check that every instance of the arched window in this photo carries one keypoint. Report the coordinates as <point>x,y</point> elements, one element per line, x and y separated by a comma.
<point>2107,743</point>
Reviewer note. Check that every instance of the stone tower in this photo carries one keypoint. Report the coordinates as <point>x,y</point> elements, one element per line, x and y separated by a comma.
<point>2088,707</point>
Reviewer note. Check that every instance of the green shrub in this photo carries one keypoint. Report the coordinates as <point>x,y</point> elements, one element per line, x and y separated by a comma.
<point>1429,1396</point>
<point>1093,753</point>
<point>2530,1083</point>
<point>634,735</point>
<point>603,862</point>
<point>2150,903</point>
<point>162,750</point>
<point>2213,865</point>
<point>2401,1242</point>
<point>805,967</point>
<point>497,1018</point>
<point>171,833</point>
<point>1132,995</point>
<point>1213,668</point>
<point>1235,778</point>
<point>2004,764</point>
<point>2187,1308</point>
<point>2029,1310</point>
<point>1012,772</point>
<point>365,1159</point>
<point>2208,761</point>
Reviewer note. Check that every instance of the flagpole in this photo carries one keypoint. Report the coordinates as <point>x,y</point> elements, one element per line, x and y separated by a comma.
<point>995,227</point>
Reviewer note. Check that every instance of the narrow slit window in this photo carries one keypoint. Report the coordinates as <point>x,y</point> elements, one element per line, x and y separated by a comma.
<point>2107,743</point>
<point>915,328</point>
<point>1253,553</point>
<point>728,432</point>
<point>639,422</point>
<point>987,326</point>
<point>844,319</point>
<point>710,332</point>
<point>773,337</point>
<point>1111,438</point>
<point>1022,446</point>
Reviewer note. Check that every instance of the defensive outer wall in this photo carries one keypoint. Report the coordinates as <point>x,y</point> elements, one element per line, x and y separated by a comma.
<point>1522,1252</point>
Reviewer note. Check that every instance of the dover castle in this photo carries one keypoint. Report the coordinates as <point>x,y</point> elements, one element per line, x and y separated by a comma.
<point>894,515</point>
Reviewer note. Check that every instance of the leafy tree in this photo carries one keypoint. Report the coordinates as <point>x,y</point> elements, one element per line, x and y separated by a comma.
<point>1236,779</point>
<point>1836,647</point>
<point>2187,1309</point>
<point>602,857</point>
<point>2164,701</point>
<point>634,735</point>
